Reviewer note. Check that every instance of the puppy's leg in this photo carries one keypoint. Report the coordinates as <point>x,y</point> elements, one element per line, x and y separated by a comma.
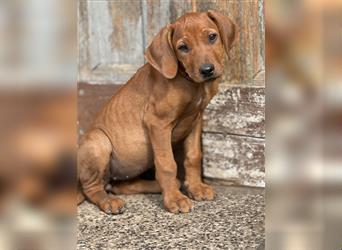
<point>80,197</point>
<point>93,159</point>
<point>166,168</point>
<point>138,186</point>
<point>196,189</point>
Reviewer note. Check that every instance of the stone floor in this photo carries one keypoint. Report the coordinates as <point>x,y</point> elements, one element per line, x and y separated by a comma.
<point>235,220</point>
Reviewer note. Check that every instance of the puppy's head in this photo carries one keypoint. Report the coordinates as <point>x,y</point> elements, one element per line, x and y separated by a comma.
<point>194,44</point>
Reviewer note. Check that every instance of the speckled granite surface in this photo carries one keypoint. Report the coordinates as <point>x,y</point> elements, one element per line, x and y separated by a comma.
<point>235,220</point>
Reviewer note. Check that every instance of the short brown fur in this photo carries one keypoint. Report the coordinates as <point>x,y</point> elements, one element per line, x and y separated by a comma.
<point>161,105</point>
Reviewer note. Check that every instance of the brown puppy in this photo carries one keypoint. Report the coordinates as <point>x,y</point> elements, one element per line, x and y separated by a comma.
<point>159,106</point>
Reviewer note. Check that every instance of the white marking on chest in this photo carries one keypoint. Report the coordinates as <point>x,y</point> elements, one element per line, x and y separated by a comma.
<point>199,102</point>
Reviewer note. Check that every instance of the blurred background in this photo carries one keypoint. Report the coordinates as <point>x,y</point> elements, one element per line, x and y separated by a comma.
<point>38,72</point>
<point>38,121</point>
<point>304,124</point>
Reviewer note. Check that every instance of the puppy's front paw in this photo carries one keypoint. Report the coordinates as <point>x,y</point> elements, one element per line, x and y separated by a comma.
<point>200,191</point>
<point>177,203</point>
<point>112,205</point>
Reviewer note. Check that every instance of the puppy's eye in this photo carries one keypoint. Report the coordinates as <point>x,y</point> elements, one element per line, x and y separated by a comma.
<point>183,48</point>
<point>212,37</point>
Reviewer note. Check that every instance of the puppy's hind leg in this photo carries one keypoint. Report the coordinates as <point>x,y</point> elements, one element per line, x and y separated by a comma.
<point>93,162</point>
<point>80,197</point>
<point>138,186</point>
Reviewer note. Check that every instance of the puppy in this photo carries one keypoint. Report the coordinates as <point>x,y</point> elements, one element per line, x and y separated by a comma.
<point>161,105</point>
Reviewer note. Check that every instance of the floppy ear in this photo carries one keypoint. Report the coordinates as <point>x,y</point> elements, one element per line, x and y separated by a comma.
<point>227,28</point>
<point>160,53</point>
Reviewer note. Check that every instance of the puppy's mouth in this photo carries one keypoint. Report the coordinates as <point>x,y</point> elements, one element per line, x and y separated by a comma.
<point>201,79</point>
<point>210,78</point>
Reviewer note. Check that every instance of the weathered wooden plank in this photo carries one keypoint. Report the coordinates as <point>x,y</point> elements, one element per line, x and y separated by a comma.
<point>126,37</point>
<point>111,40</point>
<point>237,110</point>
<point>99,30</point>
<point>179,8</point>
<point>157,14</point>
<point>112,74</point>
<point>235,158</point>
<point>83,37</point>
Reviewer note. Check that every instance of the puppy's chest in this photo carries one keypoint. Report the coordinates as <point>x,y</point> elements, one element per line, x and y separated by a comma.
<point>187,120</point>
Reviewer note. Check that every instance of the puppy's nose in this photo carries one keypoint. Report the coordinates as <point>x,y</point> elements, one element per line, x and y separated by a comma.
<point>207,69</point>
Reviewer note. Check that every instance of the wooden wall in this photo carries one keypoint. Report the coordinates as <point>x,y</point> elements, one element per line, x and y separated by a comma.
<point>112,38</point>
